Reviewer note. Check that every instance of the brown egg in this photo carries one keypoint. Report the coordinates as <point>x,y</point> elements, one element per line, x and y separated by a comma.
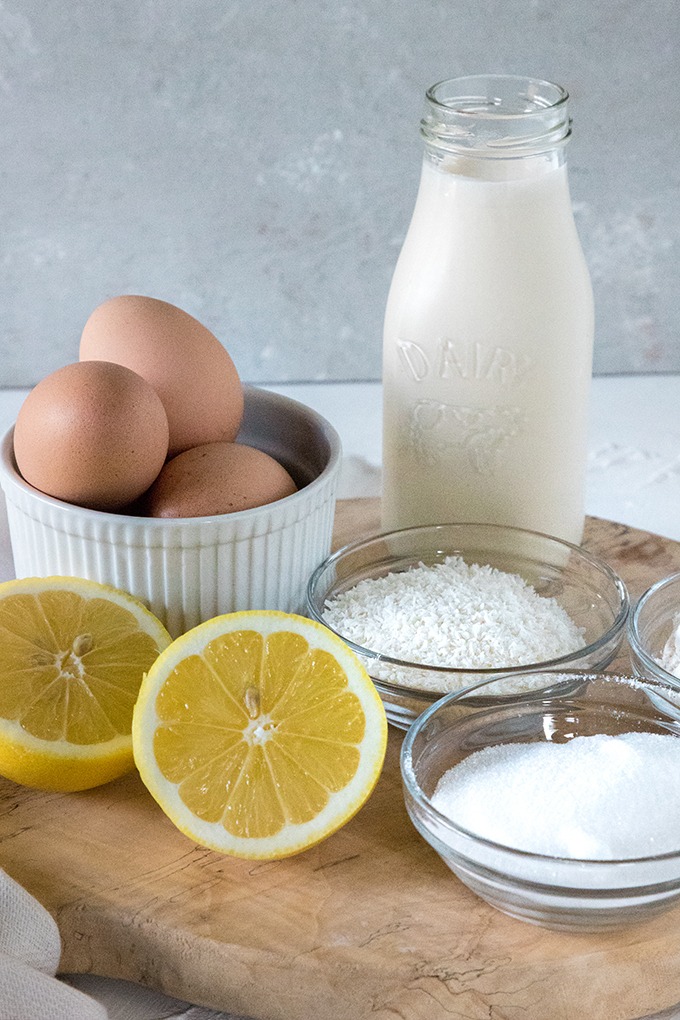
<point>187,366</point>
<point>92,433</point>
<point>217,478</point>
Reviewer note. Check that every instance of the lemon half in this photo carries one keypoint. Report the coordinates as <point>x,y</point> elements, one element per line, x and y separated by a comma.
<point>72,657</point>
<point>259,733</point>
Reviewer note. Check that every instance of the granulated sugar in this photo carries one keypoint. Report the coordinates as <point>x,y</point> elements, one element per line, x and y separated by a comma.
<point>453,614</point>
<point>595,797</point>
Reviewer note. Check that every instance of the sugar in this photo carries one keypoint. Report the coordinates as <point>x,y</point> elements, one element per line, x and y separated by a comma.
<point>592,798</point>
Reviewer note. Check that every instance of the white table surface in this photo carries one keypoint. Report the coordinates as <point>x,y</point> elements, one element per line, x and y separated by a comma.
<point>633,478</point>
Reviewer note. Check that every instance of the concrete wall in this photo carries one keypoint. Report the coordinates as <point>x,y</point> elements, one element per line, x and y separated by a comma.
<point>256,161</point>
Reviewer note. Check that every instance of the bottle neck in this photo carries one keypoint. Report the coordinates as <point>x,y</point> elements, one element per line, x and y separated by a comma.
<point>496,127</point>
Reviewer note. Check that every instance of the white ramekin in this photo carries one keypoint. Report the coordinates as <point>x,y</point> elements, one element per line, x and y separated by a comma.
<point>191,569</point>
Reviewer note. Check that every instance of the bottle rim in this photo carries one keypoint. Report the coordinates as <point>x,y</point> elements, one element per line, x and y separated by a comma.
<point>496,115</point>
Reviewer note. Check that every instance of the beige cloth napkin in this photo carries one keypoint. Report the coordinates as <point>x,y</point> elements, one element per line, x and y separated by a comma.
<point>30,948</point>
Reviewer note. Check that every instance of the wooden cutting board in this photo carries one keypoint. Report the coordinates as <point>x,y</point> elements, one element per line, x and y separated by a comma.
<point>370,924</point>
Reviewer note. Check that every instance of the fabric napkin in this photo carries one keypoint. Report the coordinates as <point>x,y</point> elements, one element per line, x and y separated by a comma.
<point>30,948</point>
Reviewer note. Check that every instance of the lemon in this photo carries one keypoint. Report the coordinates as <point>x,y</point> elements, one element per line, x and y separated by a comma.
<point>259,733</point>
<point>72,656</point>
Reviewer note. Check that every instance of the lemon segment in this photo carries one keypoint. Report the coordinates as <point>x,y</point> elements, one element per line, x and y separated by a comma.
<point>72,656</point>
<point>259,733</point>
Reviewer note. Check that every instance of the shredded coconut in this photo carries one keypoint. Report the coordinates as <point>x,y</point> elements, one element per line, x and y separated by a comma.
<point>455,615</point>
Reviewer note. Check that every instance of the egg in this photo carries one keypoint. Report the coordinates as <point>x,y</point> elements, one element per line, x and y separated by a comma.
<point>217,478</point>
<point>92,433</point>
<point>185,363</point>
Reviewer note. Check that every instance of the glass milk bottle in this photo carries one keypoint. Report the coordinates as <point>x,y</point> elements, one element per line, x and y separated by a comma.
<point>489,324</point>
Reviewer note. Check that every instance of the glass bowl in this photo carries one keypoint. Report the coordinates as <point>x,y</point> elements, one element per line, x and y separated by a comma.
<point>594,597</point>
<point>556,892</point>
<point>651,626</point>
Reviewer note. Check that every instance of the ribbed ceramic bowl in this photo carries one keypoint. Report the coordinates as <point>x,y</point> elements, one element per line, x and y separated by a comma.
<point>189,570</point>
<point>652,624</point>
<point>557,892</point>
<point>587,588</point>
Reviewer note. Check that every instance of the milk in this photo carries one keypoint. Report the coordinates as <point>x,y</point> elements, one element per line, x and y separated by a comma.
<point>488,351</point>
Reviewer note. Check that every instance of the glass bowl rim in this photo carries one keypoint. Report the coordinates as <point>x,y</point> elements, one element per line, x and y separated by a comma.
<point>487,672</point>
<point>415,790</point>
<point>634,639</point>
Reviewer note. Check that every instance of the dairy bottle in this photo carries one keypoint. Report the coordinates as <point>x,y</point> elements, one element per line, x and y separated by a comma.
<point>489,323</point>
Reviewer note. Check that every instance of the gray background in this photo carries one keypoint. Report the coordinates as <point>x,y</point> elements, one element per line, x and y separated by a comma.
<point>256,163</point>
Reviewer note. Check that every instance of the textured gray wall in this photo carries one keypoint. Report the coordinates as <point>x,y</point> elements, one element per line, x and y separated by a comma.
<point>256,162</point>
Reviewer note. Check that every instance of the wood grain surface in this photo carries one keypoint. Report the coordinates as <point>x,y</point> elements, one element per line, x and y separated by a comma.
<point>370,924</point>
